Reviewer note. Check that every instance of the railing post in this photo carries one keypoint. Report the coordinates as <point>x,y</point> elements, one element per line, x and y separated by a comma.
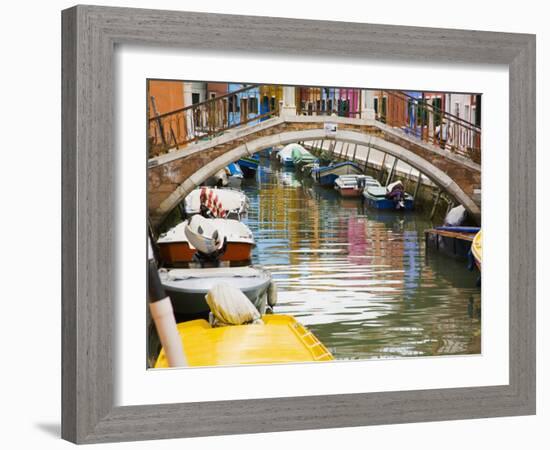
<point>159,122</point>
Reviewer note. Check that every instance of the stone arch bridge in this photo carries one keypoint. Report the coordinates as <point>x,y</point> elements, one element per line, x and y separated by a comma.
<point>173,175</point>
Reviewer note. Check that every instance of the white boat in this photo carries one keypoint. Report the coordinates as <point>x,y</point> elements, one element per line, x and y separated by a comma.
<point>175,248</point>
<point>187,288</point>
<point>235,202</point>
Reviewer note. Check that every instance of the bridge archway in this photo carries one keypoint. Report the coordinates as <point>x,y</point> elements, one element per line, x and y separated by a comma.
<point>436,175</point>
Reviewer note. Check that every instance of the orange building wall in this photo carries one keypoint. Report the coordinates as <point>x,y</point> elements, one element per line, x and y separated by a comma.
<point>168,96</point>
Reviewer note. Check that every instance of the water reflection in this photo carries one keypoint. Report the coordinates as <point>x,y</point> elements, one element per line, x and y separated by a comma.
<point>359,279</point>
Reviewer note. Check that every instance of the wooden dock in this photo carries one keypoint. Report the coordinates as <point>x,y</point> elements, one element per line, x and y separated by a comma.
<point>456,244</point>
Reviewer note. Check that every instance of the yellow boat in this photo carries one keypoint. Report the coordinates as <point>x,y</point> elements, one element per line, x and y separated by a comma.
<point>281,339</point>
<point>477,249</point>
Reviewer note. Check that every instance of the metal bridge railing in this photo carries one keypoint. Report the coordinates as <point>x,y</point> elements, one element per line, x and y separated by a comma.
<point>207,119</point>
<point>415,116</point>
<point>430,124</point>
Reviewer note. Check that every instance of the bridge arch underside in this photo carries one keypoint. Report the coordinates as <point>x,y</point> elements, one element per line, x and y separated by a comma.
<point>442,178</point>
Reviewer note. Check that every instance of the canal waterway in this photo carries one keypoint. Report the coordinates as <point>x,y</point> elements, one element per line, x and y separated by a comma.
<point>360,279</point>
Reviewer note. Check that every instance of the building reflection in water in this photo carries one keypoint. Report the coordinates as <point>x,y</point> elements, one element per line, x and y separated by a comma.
<point>359,279</point>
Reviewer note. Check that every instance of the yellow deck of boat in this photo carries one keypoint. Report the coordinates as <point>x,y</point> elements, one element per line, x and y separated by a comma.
<point>281,339</point>
<point>477,249</point>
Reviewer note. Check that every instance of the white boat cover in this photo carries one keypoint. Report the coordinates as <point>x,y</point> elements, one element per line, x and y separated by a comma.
<point>456,216</point>
<point>229,306</point>
<point>233,230</point>
<point>286,152</point>
<point>203,235</point>
<point>231,200</point>
<point>376,191</point>
<point>390,186</point>
<point>349,181</point>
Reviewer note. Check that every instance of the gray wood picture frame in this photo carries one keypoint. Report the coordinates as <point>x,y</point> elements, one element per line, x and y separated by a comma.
<point>90,34</point>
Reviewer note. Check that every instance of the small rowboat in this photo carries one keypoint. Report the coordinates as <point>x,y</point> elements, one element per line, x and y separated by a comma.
<point>327,175</point>
<point>375,197</point>
<point>174,246</point>
<point>280,339</point>
<point>477,249</point>
<point>300,156</point>
<point>234,175</point>
<point>187,288</point>
<point>351,185</point>
<point>284,156</point>
<point>249,165</point>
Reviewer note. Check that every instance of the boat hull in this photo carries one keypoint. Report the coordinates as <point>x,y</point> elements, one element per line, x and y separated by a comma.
<point>350,192</point>
<point>249,166</point>
<point>387,204</point>
<point>477,249</point>
<point>188,296</point>
<point>180,252</point>
<point>280,339</point>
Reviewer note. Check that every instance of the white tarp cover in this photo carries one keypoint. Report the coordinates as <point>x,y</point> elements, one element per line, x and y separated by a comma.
<point>456,216</point>
<point>229,306</point>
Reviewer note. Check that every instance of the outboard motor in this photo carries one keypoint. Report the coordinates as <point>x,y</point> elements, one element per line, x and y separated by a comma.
<point>207,240</point>
<point>396,192</point>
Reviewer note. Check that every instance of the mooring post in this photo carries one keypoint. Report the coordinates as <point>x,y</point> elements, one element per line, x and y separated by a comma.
<point>381,172</point>
<point>390,176</point>
<point>418,183</point>
<point>435,204</point>
<point>354,152</point>
<point>366,160</point>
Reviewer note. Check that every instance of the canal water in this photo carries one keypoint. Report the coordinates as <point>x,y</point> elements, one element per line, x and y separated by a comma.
<point>359,279</point>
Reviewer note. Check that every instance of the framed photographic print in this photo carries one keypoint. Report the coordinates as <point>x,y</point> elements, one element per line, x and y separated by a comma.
<point>291,232</point>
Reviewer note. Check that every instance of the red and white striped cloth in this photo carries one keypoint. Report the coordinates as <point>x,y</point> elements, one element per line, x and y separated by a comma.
<point>210,199</point>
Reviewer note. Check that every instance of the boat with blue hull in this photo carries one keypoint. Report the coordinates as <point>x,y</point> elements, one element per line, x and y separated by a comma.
<point>249,165</point>
<point>234,175</point>
<point>327,175</point>
<point>377,197</point>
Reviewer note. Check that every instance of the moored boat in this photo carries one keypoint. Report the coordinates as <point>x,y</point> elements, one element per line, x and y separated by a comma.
<point>284,156</point>
<point>175,248</point>
<point>234,175</point>
<point>249,165</point>
<point>477,249</point>
<point>300,156</point>
<point>380,197</point>
<point>454,241</point>
<point>219,179</point>
<point>225,203</point>
<point>327,175</point>
<point>187,288</point>
<point>279,339</point>
<point>350,185</point>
